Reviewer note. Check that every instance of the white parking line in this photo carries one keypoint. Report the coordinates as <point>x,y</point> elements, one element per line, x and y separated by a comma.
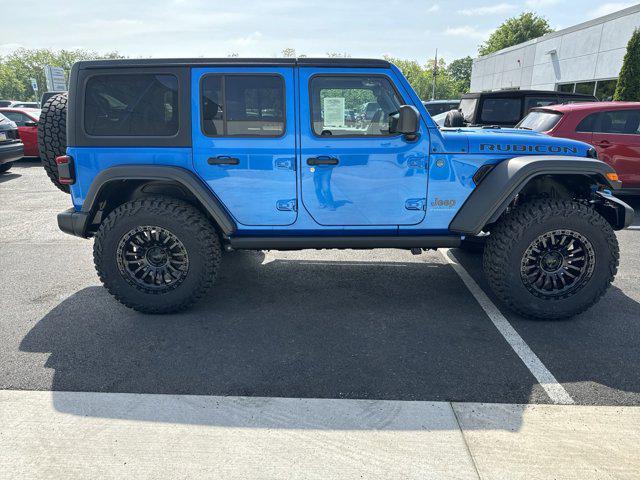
<point>554,389</point>
<point>634,227</point>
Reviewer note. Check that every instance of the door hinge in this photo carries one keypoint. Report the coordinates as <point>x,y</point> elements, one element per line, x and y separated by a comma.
<point>285,164</point>
<point>416,204</point>
<point>287,205</point>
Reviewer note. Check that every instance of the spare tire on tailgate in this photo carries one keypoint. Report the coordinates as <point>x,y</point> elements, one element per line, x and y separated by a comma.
<point>52,136</point>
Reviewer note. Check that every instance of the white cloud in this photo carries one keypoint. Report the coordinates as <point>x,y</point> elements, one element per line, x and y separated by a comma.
<point>468,32</point>
<point>607,8</point>
<point>433,8</point>
<point>488,10</point>
<point>248,40</point>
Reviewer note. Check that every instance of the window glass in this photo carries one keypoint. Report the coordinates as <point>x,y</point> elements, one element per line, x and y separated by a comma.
<point>501,110</point>
<point>619,122</point>
<point>352,105</point>
<point>588,123</point>
<point>131,105</point>
<point>468,108</point>
<point>243,105</point>
<point>605,90</point>
<point>566,87</point>
<point>540,121</point>
<point>542,101</point>
<point>586,88</point>
<point>18,118</point>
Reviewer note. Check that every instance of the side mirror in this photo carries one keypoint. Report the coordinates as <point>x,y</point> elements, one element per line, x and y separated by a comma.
<point>406,121</point>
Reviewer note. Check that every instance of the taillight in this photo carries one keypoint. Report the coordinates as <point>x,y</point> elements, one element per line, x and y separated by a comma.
<point>66,173</point>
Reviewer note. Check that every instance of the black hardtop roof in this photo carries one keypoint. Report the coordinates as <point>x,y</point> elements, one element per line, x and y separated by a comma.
<point>517,93</point>
<point>234,61</point>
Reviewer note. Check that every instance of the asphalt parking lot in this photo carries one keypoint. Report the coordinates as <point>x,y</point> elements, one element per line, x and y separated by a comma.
<point>382,325</point>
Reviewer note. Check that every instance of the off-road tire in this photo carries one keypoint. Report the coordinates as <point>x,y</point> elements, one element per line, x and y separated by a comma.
<point>512,236</point>
<point>52,136</point>
<point>189,225</point>
<point>5,167</point>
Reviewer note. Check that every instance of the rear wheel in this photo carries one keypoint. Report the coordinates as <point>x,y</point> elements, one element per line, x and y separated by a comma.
<point>157,254</point>
<point>5,167</point>
<point>551,259</point>
<point>52,136</point>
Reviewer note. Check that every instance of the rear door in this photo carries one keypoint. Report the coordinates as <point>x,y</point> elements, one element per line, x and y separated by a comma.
<point>244,140</point>
<point>617,140</point>
<point>353,170</point>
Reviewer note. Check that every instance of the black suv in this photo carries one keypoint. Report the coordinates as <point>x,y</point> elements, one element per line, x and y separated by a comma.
<point>11,148</point>
<point>506,108</point>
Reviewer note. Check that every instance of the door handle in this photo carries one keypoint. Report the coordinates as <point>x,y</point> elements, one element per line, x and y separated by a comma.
<point>603,144</point>
<point>322,161</point>
<point>223,160</point>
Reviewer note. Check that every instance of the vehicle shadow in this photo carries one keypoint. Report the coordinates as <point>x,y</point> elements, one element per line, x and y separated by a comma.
<point>313,329</point>
<point>5,177</point>
<point>291,328</point>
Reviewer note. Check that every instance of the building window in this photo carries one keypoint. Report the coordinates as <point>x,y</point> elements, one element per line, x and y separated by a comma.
<point>566,87</point>
<point>586,88</point>
<point>605,90</point>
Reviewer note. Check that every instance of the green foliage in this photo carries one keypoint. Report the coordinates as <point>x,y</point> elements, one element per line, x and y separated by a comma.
<point>460,71</point>
<point>17,68</point>
<point>628,88</point>
<point>514,31</point>
<point>449,84</point>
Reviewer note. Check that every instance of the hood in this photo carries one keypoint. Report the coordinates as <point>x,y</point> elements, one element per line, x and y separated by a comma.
<point>514,141</point>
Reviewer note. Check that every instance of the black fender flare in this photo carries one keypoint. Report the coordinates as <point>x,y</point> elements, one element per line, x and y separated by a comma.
<point>184,177</point>
<point>505,180</point>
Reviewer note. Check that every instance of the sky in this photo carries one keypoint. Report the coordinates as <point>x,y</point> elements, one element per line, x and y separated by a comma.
<point>407,29</point>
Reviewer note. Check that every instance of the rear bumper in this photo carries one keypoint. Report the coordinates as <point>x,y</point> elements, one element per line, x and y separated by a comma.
<point>11,152</point>
<point>73,222</point>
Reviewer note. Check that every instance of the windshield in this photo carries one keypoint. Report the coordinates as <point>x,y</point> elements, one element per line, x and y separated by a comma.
<point>468,107</point>
<point>540,121</point>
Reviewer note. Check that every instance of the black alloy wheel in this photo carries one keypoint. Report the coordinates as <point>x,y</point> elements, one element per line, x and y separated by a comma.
<point>152,258</point>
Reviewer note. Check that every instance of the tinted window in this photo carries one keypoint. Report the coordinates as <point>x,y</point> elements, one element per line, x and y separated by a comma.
<point>352,105</point>
<point>500,110</point>
<point>620,122</point>
<point>468,108</point>
<point>243,105</point>
<point>542,101</point>
<point>587,124</point>
<point>540,121</point>
<point>131,105</point>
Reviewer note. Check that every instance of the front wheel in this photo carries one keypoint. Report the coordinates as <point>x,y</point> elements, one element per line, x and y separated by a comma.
<point>5,167</point>
<point>157,254</point>
<point>551,259</point>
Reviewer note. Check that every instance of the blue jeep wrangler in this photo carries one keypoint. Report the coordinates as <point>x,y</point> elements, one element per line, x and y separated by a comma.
<point>170,163</point>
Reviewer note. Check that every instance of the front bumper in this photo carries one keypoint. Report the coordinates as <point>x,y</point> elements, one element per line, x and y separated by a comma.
<point>73,222</point>
<point>10,152</point>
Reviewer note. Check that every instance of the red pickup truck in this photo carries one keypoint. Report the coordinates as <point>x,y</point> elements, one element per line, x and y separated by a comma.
<point>613,128</point>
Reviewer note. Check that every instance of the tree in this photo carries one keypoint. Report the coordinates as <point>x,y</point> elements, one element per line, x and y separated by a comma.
<point>460,71</point>
<point>17,68</point>
<point>420,77</point>
<point>514,31</point>
<point>289,52</point>
<point>628,88</point>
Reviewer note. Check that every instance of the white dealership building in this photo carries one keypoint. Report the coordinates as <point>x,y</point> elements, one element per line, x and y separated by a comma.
<point>585,58</point>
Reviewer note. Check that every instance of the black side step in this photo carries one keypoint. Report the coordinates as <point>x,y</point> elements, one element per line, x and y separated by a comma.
<point>301,243</point>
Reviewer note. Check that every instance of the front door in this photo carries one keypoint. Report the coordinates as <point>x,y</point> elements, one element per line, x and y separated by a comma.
<point>244,141</point>
<point>353,170</point>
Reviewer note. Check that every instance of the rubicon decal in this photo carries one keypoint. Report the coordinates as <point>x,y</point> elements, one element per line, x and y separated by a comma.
<point>492,147</point>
